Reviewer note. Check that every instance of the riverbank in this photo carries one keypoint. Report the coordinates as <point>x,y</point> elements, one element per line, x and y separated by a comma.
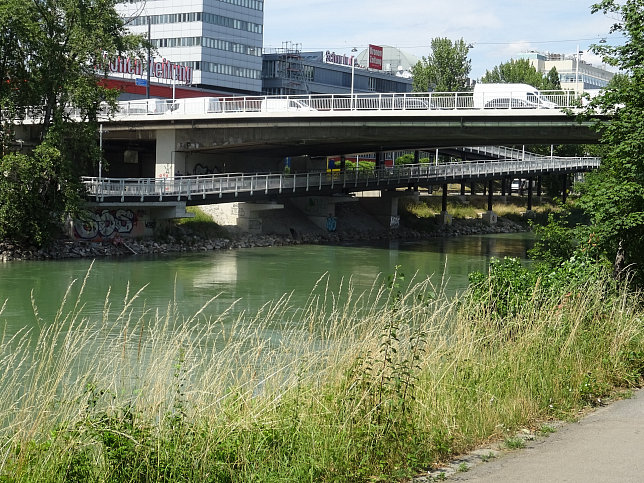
<point>351,386</point>
<point>184,239</point>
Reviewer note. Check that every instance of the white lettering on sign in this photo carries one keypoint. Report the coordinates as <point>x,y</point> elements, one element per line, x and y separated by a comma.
<point>162,70</point>
<point>375,57</point>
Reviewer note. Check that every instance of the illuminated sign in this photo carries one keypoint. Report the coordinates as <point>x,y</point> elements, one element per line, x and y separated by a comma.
<point>375,57</point>
<point>161,70</point>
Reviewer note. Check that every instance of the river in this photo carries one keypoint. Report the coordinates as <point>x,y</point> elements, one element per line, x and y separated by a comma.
<point>248,277</point>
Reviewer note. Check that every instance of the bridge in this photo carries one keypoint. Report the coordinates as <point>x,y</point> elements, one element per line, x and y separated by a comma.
<point>268,127</point>
<point>241,143</point>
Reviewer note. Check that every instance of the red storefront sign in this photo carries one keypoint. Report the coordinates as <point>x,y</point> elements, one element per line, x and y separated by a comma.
<point>375,57</point>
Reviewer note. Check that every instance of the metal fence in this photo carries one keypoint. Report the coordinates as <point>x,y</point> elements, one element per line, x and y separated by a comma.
<point>310,104</point>
<point>215,186</point>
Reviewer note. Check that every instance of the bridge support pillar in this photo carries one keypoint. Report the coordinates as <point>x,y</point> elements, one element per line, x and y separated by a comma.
<point>168,160</point>
<point>385,207</point>
<point>489,216</point>
<point>530,214</point>
<point>564,191</point>
<point>320,210</point>
<point>113,221</point>
<point>380,160</point>
<point>245,216</point>
<point>444,218</point>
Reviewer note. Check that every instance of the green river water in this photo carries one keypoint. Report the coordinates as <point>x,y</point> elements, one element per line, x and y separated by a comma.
<point>249,276</point>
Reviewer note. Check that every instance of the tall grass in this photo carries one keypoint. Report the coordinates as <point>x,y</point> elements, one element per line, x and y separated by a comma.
<point>353,386</point>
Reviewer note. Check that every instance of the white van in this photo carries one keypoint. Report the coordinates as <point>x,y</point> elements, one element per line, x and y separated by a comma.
<point>509,96</point>
<point>146,106</point>
<point>197,105</point>
<point>283,105</point>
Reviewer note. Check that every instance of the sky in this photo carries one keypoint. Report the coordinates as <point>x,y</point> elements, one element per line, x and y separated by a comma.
<point>498,30</point>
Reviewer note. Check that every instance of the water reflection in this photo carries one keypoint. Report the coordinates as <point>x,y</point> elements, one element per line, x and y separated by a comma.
<point>248,278</point>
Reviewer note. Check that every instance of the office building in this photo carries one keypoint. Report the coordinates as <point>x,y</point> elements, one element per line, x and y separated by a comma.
<point>211,45</point>
<point>574,73</point>
<point>289,71</point>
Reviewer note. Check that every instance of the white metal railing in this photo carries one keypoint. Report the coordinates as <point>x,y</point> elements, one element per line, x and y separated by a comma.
<point>345,102</point>
<point>504,152</point>
<point>314,104</point>
<point>234,184</point>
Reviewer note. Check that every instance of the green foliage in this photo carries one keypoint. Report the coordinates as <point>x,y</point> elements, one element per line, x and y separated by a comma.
<point>409,159</point>
<point>506,286</point>
<point>53,55</point>
<point>509,286</point>
<point>445,69</point>
<point>36,191</point>
<point>514,442</point>
<point>555,241</point>
<point>522,72</point>
<point>613,196</point>
<point>362,165</point>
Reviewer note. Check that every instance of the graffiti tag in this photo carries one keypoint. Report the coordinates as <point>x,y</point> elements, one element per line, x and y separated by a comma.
<point>104,224</point>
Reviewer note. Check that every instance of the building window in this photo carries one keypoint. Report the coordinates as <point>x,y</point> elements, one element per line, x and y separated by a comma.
<point>210,18</point>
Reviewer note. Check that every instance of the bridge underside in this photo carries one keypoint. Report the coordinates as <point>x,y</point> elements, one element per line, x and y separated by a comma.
<point>288,136</point>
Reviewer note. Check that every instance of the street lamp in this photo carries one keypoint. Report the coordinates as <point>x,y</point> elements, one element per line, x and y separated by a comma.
<point>577,90</point>
<point>353,71</point>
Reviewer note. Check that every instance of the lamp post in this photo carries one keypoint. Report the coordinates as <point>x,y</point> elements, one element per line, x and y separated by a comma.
<point>147,84</point>
<point>353,71</point>
<point>577,90</point>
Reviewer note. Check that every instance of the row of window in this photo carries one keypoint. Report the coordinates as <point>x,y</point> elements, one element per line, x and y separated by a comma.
<point>223,69</point>
<point>297,71</point>
<point>252,4</point>
<point>209,43</point>
<point>210,18</point>
<point>588,81</point>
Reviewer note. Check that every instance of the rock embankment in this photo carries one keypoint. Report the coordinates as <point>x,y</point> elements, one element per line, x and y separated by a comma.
<point>186,242</point>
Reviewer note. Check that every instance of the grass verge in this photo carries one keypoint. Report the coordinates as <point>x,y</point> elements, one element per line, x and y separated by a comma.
<point>352,387</point>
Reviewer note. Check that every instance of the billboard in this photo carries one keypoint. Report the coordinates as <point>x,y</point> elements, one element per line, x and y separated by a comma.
<point>375,57</point>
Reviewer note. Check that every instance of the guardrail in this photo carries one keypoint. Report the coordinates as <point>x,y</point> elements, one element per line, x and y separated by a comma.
<point>504,152</point>
<point>320,103</point>
<point>431,101</point>
<point>216,187</point>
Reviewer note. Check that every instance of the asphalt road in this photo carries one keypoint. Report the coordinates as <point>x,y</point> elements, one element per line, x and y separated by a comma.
<point>605,446</point>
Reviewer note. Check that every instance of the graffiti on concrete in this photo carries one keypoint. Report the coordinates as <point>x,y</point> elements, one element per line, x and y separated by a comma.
<point>104,224</point>
<point>331,223</point>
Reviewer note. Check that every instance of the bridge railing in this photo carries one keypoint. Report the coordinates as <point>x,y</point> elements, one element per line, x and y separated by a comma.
<point>311,103</point>
<point>218,185</point>
<point>335,102</point>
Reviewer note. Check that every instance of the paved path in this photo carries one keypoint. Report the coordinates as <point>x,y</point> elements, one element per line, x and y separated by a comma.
<point>605,446</point>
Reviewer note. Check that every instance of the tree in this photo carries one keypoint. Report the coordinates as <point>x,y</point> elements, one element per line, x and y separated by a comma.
<point>446,69</point>
<point>522,72</point>
<point>613,196</point>
<point>53,54</point>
